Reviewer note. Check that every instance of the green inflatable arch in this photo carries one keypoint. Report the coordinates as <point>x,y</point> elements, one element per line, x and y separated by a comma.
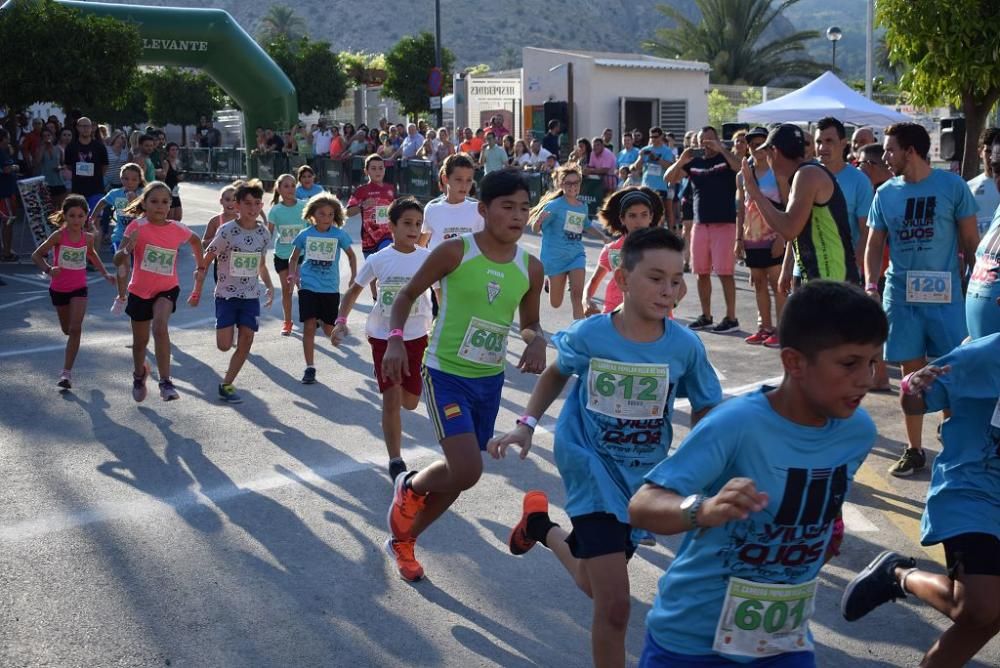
<point>212,41</point>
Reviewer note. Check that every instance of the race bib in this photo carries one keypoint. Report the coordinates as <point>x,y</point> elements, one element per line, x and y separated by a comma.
<point>84,169</point>
<point>72,257</point>
<point>654,170</point>
<point>627,391</point>
<point>484,343</point>
<point>928,287</point>
<point>387,297</point>
<point>120,204</point>
<point>158,260</point>
<point>287,233</point>
<point>382,215</point>
<point>762,620</point>
<point>614,258</point>
<point>244,265</point>
<point>319,249</point>
<point>452,232</point>
<point>574,222</point>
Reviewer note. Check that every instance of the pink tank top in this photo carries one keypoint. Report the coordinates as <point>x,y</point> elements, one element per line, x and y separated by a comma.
<point>71,258</point>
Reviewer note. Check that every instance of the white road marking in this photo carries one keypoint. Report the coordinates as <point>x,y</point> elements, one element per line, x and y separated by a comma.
<point>855,520</point>
<point>37,282</point>
<point>21,301</point>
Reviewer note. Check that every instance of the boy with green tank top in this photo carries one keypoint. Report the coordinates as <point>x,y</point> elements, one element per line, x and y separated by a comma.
<point>485,277</point>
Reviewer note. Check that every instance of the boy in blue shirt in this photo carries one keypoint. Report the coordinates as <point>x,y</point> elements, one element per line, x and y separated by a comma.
<point>757,486</point>
<point>962,510</point>
<point>614,427</point>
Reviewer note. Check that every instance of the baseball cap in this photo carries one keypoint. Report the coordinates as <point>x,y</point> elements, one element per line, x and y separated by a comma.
<point>787,138</point>
<point>757,132</point>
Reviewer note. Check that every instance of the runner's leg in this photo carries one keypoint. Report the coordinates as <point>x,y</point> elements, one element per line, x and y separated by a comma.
<point>443,481</point>
<point>392,424</point>
<point>162,309</point>
<point>140,340</point>
<point>308,340</point>
<point>557,289</point>
<point>914,423</point>
<point>576,280</point>
<point>243,343</point>
<point>77,310</point>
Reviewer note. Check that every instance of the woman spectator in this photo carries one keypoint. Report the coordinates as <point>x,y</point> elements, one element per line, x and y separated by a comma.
<point>172,177</point>
<point>359,144</point>
<point>349,132</point>
<point>522,156</point>
<point>385,148</point>
<point>118,155</point>
<point>65,139</point>
<point>394,139</point>
<point>47,160</point>
<point>508,145</point>
<point>444,147</point>
<point>374,140</point>
<point>261,140</point>
<point>581,155</point>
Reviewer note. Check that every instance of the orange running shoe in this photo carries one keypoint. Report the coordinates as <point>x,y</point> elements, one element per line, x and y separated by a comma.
<point>404,508</point>
<point>286,328</point>
<point>407,565</point>
<point>519,541</point>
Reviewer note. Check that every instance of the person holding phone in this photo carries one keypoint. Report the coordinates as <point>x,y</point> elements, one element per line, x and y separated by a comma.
<point>653,161</point>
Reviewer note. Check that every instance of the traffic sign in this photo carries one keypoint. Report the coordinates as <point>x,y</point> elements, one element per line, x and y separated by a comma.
<point>435,81</point>
<point>435,102</point>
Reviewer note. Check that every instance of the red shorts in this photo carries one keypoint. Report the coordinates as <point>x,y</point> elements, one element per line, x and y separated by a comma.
<point>414,356</point>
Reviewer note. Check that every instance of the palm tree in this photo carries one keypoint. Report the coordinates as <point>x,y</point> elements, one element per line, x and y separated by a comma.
<point>281,22</point>
<point>730,39</point>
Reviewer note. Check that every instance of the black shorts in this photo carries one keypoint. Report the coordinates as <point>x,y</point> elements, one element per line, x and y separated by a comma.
<point>63,298</point>
<point>975,553</point>
<point>282,265</point>
<point>598,534</point>
<point>687,209</point>
<point>319,305</point>
<point>141,310</point>
<point>760,258</point>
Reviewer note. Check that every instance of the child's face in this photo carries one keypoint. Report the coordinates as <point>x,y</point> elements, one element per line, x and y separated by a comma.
<point>375,171</point>
<point>837,379</point>
<point>250,207</point>
<point>75,218</point>
<point>459,182</point>
<point>307,179</point>
<point>286,189</point>
<point>652,287</point>
<point>507,215</point>
<point>228,201</point>
<point>130,180</point>
<point>637,217</point>
<point>406,230</point>
<point>323,218</point>
<point>157,204</point>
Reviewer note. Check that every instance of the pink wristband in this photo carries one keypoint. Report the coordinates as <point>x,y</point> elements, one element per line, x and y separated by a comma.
<point>396,332</point>
<point>340,321</point>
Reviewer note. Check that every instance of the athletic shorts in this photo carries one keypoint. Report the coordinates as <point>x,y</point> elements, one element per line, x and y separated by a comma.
<point>761,258</point>
<point>141,310</point>
<point>687,209</point>
<point>382,244</point>
<point>975,553</point>
<point>414,356</point>
<point>654,656</point>
<point>322,306</point>
<point>923,331</point>
<point>237,311</point>
<point>281,265</point>
<point>459,405</point>
<point>63,298</point>
<point>55,191</point>
<point>665,195</point>
<point>598,534</point>
<point>712,248</point>
<point>554,265</point>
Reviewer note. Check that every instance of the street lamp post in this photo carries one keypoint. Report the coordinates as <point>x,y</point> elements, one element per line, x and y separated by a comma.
<point>833,33</point>
<point>569,98</point>
<point>439,112</point>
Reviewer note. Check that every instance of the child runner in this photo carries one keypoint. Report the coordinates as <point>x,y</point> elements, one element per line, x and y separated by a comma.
<point>614,427</point>
<point>286,222</point>
<point>961,511</point>
<point>71,247</point>
<point>118,199</point>
<point>318,275</point>
<point>372,201</point>
<point>241,248</point>
<point>227,200</point>
<point>392,268</point>
<point>485,277</point>
<point>307,186</point>
<point>153,288</point>
<point>562,219</point>
<point>757,486</point>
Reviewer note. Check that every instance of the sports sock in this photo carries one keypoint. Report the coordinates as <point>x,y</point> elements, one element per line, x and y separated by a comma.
<point>538,526</point>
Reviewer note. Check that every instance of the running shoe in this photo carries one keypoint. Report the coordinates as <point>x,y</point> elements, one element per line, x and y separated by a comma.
<point>407,565</point>
<point>404,507</point>
<point>772,341</point>
<point>759,338</point>
<point>118,307</point>
<point>911,462</point>
<point>286,328</point>
<point>65,381</point>
<point>519,541</point>
<point>874,586</point>
<point>139,384</point>
<point>703,322</point>
<point>396,466</point>
<point>227,392</point>
<point>309,377</point>
<point>545,285</point>
<point>167,391</point>
<point>727,325</point>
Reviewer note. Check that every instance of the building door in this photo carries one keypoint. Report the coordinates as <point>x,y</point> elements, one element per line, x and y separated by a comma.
<point>633,112</point>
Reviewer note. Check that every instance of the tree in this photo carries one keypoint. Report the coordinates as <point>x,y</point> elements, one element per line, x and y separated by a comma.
<point>720,109</point>
<point>955,62</point>
<point>128,109</point>
<point>408,65</point>
<point>179,96</point>
<point>281,21</point>
<point>730,39</point>
<point>313,69</point>
<point>510,59</point>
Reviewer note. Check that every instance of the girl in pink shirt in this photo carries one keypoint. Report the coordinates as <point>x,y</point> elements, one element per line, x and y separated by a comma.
<point>154,242</point>
<point>71,247</point>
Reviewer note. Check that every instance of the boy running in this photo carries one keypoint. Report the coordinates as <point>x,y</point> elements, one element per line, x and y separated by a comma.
<point>757,487</point>
<point>485,277</point>
<point>372,201</point>
<point>614,427</point>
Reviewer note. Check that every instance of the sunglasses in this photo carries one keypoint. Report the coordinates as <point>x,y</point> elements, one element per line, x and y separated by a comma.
<point>571,182</point>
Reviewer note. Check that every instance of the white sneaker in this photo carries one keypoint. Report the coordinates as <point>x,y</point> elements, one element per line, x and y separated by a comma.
<point>118,307</point>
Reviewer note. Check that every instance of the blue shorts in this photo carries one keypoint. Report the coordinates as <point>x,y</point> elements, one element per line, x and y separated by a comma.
<point>460,405</point>
<point>236,311</point>
<point>563,264</point>
<point>923,331</point>
<point>983,315</point>
<point>654,656</point>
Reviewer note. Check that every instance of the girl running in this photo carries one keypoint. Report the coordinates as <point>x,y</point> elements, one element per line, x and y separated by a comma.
<point>307,186</point>
<point>227,199</point>
<point>153,289</point>
<point>286,222</point>
<point>563,219</point>
<point>132,181</point>
<point>72,247</point>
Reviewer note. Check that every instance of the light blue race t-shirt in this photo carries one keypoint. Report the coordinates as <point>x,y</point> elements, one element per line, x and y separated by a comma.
<point>627,158</point>
<point>117,200</point>
<point>288,222</point>
<point>302,193</point>
<point>615,424</point>
<point>652,174</point>
<point>858,193</point>
<point>806,472</point>
<point>964,496</point>
<point>921,223</point>
<point>982,313</point>
<point>320,269</point>
<point>562,235</point>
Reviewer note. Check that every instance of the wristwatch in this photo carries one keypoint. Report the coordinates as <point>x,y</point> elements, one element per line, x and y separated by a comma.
<point>690,507</point>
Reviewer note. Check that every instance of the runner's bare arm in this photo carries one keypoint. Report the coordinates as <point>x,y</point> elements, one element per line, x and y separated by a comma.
<point>265,276</point>
<point>911,395</point>
<point>340,329</point>
<point>874,249</point>
<point>659,510</point>
<point>533,358</point>
<point>210,230</point>
<point>548,388</point>
<point>809,185</point>
<point>38,257</point>
<point>196,248</point>
<point>352,262</point>
<point>968,239</point>
<point>676,172</point>
<point>696,416</point>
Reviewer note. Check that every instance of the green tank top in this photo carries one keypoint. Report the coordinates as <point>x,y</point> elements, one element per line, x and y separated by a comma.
<point>478,302</point>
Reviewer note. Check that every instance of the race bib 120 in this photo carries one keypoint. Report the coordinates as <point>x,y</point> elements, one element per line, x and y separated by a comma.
<point>627,391</point>
<point>928,287</point>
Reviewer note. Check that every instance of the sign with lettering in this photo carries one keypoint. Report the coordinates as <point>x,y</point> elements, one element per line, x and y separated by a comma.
<point>154,44</point>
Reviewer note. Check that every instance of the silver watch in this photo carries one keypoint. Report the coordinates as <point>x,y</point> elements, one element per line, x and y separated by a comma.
<point>690,507</point>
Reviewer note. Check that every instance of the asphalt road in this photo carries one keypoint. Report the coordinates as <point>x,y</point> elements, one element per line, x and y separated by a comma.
<point>200,534</point>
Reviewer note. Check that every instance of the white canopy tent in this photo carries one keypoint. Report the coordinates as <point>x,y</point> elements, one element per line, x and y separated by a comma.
<point>825,96</point>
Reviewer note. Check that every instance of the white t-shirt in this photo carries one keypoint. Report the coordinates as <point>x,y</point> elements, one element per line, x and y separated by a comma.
<point>524,159</point>
<point>543,155</point>
<point>392,270</point>
<point>321,141</point>
<point>984,191</point>
<point>445,221</point>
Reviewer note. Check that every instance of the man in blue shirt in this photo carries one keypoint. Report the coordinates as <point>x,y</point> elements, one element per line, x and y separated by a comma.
<point>628,156</point>
<point>653,161</point>
<point>927,216</point>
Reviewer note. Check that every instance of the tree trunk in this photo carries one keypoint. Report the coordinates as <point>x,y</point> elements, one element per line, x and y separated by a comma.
<point>976,110</point>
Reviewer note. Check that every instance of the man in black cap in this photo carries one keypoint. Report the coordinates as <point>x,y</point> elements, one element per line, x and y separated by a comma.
<point>815,218</point>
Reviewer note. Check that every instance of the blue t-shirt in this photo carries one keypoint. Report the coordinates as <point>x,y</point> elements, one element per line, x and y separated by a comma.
<point>627,158</point>
<point>921,221</point>
<point>964,496</point>
<point>562,231</point>
<point>117,200</point>
<point>320,270</point>
<point>302,193</point>
<point>615,424</point>
<point>652,174</point>
<point>858,193</point>
<point>985,280</point>
<point>806,472</point>
<point>288,222</point>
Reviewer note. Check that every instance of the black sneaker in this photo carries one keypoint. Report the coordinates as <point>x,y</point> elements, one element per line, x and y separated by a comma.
<point>227,392</point>
<point>727,325</point>
<point>396,466</point>
<point>703,322</point>
<point>874,586</point>
<point>911,462</point>
<point>167,390</point>
<point>309,377</point>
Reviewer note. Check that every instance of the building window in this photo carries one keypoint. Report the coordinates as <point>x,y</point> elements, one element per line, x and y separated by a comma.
<point>674,116</point>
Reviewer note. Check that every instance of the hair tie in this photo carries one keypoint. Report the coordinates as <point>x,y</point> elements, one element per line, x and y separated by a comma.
<point>634,197</point>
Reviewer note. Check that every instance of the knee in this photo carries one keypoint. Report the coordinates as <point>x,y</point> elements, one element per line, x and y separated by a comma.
<point>410,401</point>
<point>159,328</point>
<point>980,615</point>
<point>65,329</point>
<point>466,477</point>
<point>75,329</point>
<point>614,612</point>
<point>224,346</point>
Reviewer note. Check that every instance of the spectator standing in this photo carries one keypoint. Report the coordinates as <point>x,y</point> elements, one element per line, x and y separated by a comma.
<point>602,163</point>
<point>472,144</point>
<point>30,141</point>
<point>537,154</point>
<point>87,159</point>
<point>414,140</point>
<point>629,154</point>
<point>608,136</point>
<point>581,155</point>
<point>118,155</point>
<point>8,192</point>
<point>493,157</point>
<point>653,162</point>
<point>983,188</point>
<point>322,138</point>
<point>496,125</point>
<point>551,140</point>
